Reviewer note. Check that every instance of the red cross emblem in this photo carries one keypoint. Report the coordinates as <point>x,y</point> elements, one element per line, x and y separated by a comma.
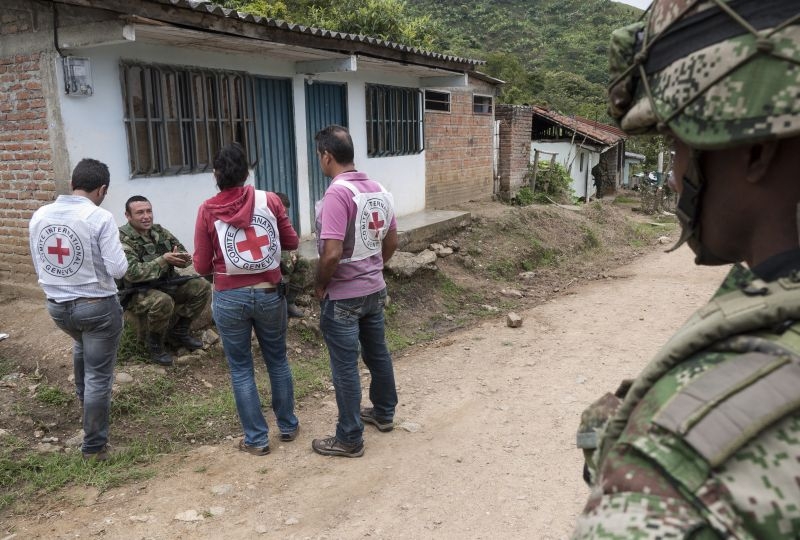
<point>376,224</point>
<point>58,250</point>
<point>253,243</point>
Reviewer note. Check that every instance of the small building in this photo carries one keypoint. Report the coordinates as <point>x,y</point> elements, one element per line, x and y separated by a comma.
<point>631,160</point>
<point>584,147</point>
<point>154,88</point>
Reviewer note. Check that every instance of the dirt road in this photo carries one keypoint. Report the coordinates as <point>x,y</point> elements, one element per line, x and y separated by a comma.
<point>489,449</point>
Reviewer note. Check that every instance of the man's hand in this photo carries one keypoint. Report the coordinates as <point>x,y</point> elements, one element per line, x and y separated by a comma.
<point>178,259</point>
<point>319,292</point>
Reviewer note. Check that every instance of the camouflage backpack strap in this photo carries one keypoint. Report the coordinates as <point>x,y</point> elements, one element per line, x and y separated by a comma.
<point>754,308</point>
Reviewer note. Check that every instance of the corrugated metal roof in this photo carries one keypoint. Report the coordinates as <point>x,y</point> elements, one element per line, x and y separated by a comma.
<point>214,9</point>
<point>603,133</point>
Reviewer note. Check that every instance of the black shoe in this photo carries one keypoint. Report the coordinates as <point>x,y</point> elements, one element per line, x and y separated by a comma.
<point>292,435</point>
<point>155,346</point>
<point>254,450</point>
<point>334,447</point>
<point>383,424</point>
<point>294,312</point>
<point>180,335</point>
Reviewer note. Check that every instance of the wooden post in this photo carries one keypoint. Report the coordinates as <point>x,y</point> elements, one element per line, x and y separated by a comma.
<point>535,171</point>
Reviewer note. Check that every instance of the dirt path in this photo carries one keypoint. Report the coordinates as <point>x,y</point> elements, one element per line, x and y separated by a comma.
<point>493,456</point>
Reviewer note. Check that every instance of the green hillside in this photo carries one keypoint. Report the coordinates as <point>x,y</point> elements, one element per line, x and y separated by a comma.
<point>551,52</point>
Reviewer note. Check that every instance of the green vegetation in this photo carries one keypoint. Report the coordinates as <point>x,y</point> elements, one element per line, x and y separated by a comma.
<point>131,348</point>
<point>553,183</point>
<point>24,475</point>
<point>311,374</point>
<point>51,395</point>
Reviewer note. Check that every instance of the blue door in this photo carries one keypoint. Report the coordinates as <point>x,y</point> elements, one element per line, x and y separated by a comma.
<point>326,104</point>
<point>277,158</point>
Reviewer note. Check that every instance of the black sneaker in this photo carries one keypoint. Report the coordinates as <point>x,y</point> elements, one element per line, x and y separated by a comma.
<point>292,435</point>
<point>254,450</point>
<point>383,424</point>
<point>334,447</point>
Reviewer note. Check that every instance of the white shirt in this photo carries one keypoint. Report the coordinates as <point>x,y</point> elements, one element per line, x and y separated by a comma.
<point>104,258</point>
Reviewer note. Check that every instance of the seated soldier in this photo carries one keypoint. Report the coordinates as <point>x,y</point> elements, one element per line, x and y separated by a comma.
<point>153,254</point>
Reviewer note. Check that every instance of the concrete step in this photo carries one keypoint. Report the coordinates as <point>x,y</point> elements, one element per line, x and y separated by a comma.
<point>415,231</point>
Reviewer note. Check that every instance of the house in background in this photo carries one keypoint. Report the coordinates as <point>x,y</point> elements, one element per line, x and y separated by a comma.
<point>580,145</point>
<point>154,88</point>
<point>631,160</point>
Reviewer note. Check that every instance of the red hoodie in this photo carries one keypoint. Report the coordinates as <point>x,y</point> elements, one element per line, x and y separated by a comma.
<point>235,207</point>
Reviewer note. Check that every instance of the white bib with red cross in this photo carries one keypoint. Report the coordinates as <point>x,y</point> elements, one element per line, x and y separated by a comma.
<point>253,249</point>
<point>374,212</point>
<point>64,248</point>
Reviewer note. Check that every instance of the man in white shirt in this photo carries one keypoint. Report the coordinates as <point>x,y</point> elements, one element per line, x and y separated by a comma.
<point>77,255</point>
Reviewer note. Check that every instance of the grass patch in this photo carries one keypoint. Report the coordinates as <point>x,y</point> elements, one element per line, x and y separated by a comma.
<point>311,374</point>
<point>50,395</point>
<point>643,234</point>
<point>25,475</point>
<point>131,349</point>
<point>590,238</point>
<point>623,199</point>
<point>397,341</point>
<point>6,367</point>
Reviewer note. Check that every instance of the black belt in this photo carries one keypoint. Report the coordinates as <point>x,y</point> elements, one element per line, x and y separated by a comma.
<point>81,300</point>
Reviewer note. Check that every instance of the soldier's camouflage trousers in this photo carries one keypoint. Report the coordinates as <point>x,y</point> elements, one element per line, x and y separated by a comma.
<point>158,306</point>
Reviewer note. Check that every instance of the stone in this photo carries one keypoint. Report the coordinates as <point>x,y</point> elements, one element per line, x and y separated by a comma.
<point>444,252</point>
<point>407,264</point>
<point>468,262</point>
<point>141,518</point>
<point>511,293</point>
<point>216,510</point>
<point>122,378</point>
<point>210,337</point>
<point>185,360</point>
<point>513,320</point>
<point>291,521</point>
<point>76,440</point>
<point>221,489</point>
<point>261,529</point>
<point>492,309</point>
<point>664,240</point>
<point>38,434</point>
<point>47,448</point>
<point>411,427</point>
<point>527,276</point>
<point>189,515</point>
<point>453,244</point>
<point>436,247</point>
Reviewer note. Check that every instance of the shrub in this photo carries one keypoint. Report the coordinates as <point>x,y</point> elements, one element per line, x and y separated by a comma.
<point>552,181</point>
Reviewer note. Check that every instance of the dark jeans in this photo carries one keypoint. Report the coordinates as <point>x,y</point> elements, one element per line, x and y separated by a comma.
<point>345,325</point>
<point>96,325</point>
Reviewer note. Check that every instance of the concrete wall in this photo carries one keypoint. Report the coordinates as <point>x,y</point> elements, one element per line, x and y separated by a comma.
<point>459,149</point>
<point>515,147</point>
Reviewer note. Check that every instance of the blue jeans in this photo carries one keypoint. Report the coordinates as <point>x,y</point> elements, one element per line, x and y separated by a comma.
<point>345,325</point>
<point>236,313</point>
<point>96,325</point>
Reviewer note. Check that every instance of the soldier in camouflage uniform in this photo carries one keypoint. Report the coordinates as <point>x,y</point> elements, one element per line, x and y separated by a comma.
<point>294,270</point>
<point>153,254</point>
<point>706,442</point>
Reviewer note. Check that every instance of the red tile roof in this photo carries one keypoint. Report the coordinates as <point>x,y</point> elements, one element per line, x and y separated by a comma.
<point>602,133</point>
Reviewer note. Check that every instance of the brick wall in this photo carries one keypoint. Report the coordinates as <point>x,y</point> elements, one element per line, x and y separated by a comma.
<point>26,166</point>
<point>515,147</point>
<point>458,151</point>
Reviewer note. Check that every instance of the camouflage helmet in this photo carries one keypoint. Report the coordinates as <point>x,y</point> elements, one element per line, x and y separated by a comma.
<point>715,73</point>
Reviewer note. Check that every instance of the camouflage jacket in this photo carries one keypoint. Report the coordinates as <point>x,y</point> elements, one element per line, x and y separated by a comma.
<point>145,254</point>
<point>707,441</point>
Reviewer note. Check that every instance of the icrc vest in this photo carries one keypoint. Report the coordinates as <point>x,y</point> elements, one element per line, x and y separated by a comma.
<point>374,213</point>
<point>254,249</point>
<point>64,248</point>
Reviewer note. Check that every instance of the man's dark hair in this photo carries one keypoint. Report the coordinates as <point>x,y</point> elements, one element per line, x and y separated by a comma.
<point>230,166</point>
<point>89,174</point>
<point>135,198</point>
<point>337,142</point>
<point>284,199</point>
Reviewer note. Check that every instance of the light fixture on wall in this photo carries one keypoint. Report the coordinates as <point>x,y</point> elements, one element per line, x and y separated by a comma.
<point>77,76</point>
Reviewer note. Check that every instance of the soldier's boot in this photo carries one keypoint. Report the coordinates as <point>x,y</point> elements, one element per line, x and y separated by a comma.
<point>155,346</point>
<point>180,335</point>
<point>291,308</point>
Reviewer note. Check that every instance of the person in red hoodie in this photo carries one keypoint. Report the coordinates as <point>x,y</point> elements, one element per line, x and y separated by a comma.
<point>239,235</point>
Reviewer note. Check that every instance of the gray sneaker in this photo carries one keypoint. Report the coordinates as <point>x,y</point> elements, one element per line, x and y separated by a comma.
<point>333,447</point>
<point>383,424</point>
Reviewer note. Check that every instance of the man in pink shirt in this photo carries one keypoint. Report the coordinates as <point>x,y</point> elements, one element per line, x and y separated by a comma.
<point>357,234</point>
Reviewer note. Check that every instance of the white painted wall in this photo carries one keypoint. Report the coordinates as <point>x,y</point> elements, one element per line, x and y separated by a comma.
<point>568,155</point>
<point>94,128</point>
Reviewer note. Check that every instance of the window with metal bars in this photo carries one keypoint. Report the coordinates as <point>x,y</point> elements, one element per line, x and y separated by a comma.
<point>394,121</point>
<point>178,118</point>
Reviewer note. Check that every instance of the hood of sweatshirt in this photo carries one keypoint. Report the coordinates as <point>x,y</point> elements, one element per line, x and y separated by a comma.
<point>233,206</point>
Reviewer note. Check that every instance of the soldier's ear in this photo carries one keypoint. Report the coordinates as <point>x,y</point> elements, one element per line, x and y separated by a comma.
<point>760,159</point>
